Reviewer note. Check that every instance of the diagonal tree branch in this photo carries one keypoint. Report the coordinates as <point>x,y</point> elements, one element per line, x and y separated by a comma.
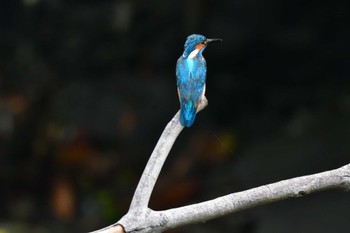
<point>155,163</point>
<point>291,188</point>
<point>141,219</point>
<point>159,221</point>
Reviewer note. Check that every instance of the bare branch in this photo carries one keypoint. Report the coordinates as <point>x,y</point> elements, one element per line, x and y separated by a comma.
<point>141,219</point>
<point>158,221</point>
<point>115,228</point>
<point>296,187</point>
<point>155,163</point>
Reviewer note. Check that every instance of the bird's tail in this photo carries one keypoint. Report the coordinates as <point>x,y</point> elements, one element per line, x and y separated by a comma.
<point>187,114</point>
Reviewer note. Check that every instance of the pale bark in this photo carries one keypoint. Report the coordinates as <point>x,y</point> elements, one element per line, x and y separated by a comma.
<point>141,219</point>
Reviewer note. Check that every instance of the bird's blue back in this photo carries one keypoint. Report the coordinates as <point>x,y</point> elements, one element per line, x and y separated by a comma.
<point>191,70</point>
<point>191,74</point>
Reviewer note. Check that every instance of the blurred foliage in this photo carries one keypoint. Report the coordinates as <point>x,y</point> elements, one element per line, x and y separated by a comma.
<point>86,88</point>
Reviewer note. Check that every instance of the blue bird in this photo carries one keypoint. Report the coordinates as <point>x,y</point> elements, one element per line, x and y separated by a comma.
<point>191,70</point>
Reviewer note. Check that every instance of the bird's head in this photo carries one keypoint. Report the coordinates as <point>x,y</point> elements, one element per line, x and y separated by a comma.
<point>195,44</point>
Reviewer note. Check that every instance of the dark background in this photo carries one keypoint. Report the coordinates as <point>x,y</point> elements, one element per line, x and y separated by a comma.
<point>86,88</point>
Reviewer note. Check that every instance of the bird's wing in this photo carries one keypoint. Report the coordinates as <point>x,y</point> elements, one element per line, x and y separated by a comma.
<point>191,76</point>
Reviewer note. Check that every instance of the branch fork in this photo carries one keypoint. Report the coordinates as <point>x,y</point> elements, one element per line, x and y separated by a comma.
<point>141,219</point>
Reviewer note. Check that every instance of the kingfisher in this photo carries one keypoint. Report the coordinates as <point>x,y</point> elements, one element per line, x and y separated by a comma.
<point>191,71</point>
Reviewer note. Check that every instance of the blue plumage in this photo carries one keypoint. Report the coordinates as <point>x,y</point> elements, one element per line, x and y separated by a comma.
<point>191,72</point>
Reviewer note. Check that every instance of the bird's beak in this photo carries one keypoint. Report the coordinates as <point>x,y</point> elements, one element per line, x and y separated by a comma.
<point>213,40</point>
